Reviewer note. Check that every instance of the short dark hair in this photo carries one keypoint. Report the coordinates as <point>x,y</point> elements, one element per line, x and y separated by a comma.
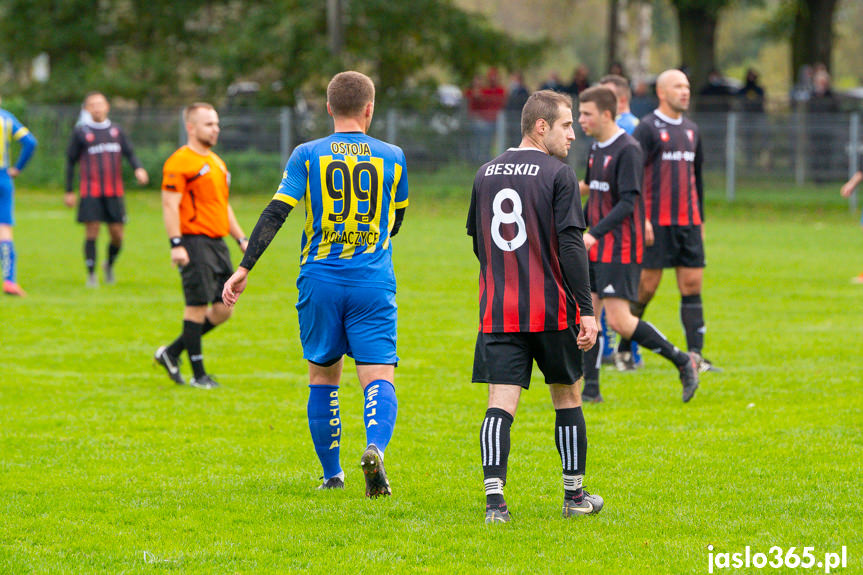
<point>544,105</point>
<point>349,92</point>
<point>621,85</point>
<point>603,97</point>
<point>191,108</point>
<point>92,93</point>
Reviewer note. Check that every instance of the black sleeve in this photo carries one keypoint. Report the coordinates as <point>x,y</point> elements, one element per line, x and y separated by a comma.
<point>73,152</point>
<point>128,151</point>
<point>699,180</point>
<point>573,263</point>
<point>618,213</point>
<point>644,136</point>
<point>271,220</point>
<point>566,201</point>
<point>400,216</point>
<point>471,220</point>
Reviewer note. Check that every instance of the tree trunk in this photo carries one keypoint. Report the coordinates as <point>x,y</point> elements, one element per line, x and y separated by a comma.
<point>641,63</point>
<point>612,31</point>
<point>697,43</point>
<point>812,37</point>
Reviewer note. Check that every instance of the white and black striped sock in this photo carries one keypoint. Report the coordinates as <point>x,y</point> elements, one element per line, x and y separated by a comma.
<point>571,441</point>
<point>494,450</point>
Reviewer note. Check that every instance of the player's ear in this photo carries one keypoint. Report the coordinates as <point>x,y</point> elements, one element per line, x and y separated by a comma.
<point>329,110</point>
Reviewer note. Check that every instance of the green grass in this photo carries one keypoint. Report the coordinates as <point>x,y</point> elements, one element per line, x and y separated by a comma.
<point>106,467</point>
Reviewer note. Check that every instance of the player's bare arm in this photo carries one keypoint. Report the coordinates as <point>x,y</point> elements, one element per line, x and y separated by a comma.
<point>171,216</point>
<point>236,230</point>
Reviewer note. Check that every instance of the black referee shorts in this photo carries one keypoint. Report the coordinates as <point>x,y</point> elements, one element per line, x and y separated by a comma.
<point>507,358</point>
<point>673,247</point>
<point>109,210</point>
<point>208,269</point>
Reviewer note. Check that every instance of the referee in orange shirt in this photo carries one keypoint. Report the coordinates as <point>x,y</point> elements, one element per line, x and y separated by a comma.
<point>197,216</point>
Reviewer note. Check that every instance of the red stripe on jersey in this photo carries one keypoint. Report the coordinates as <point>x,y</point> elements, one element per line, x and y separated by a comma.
<point>118,174</point>
<point>536,273</point>
<point>693,193</point>
<point>639,232</point>
<point>607,247</point>
<point>683,202</point>
<point>648,189</point>
<point>482,299</point>
<point>558,280</point>
<point>510,292</point>
<point>489,277</point>
<point>85,176</point>
<point>626,242</point>
<point>665,192</point>
<point>108,173</point>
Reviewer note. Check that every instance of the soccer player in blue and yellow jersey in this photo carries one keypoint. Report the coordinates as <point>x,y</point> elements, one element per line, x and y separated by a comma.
<point>355,191</point>
<point>11,129</point>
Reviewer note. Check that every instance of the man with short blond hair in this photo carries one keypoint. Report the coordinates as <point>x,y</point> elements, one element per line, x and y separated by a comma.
<point>195,189</point>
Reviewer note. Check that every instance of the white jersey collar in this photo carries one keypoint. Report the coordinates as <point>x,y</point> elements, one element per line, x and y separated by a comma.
<point>668,120</point>
<point>612,139</point>
<point>98,125</point>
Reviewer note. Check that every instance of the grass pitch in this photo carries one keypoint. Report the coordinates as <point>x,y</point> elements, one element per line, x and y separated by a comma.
<point>107,467</point>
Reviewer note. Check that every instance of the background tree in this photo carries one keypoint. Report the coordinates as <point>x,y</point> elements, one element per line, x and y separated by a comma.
<point>697,22</point>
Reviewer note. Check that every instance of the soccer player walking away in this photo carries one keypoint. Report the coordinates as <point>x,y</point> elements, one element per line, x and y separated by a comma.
<point>99,145</point>
<point>355,190</point>
<point>11,129</point>
<point>195,188</point>
<point>846,191</point>
<point>615,242</point>
<point>674,207</point>
<point>627,356</point>
<point>526,223</point>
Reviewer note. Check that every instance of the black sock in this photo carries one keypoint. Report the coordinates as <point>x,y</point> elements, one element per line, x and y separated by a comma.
<point>591,366</point>
<point>649,337</point>
<point>113,250</point>
<point>494,448</point>
<point>192,343</point>
<point>177,346</point>
<point>90,255</point>
<point>637,310</point>
<point>692,317</point>
<point>570,436</point>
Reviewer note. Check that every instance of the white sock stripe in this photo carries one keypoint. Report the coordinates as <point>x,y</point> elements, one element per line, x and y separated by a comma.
<point>567,434</point>
<point>490,439</point>
<point>482,439</point>
<point>493,485</point>
<point>497,441</point>
<point>560,446</point>
<point>574,447</point>
<point>653,327</point>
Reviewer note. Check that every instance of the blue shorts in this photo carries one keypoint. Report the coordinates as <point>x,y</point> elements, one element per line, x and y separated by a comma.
<point>7,199</point>
<point>336,319</point>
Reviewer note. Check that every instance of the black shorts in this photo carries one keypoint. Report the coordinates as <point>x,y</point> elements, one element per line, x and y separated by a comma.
<point>507,358</point>
<point>615,280</point>
<point>110,210</point>
<point>208,269</point>
<point>673,247</point>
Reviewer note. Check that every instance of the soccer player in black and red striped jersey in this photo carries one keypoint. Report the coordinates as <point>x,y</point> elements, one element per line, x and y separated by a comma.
<point>99,145</point>
<point>674,205</point>
<point>615,242</point>
<point>526,223</point>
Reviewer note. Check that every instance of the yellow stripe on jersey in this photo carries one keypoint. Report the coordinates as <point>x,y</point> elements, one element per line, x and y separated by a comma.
<point>291,201</point>
<point>391,217</point>
<point>309,230</point>
<point>5,127</point>
<point>22,131</point>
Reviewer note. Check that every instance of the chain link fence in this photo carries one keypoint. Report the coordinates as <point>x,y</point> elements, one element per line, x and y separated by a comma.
<point>796,147</point>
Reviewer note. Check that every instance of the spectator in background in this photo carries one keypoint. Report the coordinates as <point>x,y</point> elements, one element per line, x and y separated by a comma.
<point>553,82</point>
<point>515,101</point>
<point>485,99</point>
<point>580,81</point>
<point>643,98</point>
<point>753,127</point>
<point>616,69</point>
<point>824,149</point>
<point>715,95</point>
<point>846,191</point>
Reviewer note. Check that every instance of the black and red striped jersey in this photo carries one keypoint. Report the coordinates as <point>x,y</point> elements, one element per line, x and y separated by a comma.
<point>521,201</point>
<point>99,148</point>
<point>615,169</point>
<point>673,190</point>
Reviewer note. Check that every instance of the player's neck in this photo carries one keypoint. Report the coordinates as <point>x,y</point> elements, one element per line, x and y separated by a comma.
<point>607,132</point>
<point>668,112</point>
<point>349,125</point>
<point>529,141</point>
<point>198,147</point>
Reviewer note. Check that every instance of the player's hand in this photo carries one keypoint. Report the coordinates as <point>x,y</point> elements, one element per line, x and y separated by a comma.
<point>648,233</point>
<point>587,333</point>
<point>244,244</point>
<point>235,285</point>
<point>589,240</point>
<point>13,171</point>
<point>179,256</point>
<point>142,176</point>
<point>583,189</point>
<point>69,199</point>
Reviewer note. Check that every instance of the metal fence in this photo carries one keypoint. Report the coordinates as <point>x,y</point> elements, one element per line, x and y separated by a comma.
<point>794,147</point>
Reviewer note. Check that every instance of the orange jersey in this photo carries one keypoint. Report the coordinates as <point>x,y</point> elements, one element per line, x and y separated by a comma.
<point>204,181</point>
